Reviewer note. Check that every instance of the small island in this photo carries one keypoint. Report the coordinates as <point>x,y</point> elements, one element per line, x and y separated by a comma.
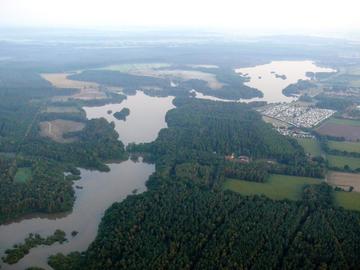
<point>279,76</point>
<point>33,240</point>
<point>121,115</point>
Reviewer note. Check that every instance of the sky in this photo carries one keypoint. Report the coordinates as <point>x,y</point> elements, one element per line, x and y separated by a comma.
<point>290,15</point>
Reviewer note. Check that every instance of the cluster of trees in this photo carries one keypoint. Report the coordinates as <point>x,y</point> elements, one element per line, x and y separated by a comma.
<point>254,171</point>
<point>121,115</point>
<point>297,88</point>
<point>33,240</point>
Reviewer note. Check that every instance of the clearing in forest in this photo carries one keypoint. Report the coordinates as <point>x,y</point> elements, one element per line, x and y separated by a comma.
<point>56,129</point>
<point>278,186</point>
<point>22,175</point>
<point>87,90</point>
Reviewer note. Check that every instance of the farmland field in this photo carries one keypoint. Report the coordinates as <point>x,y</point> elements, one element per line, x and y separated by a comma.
<point>23,175</point>
<point>278,187</point>
<point>341,161</point>
<point>340,121</point>
<point>310,146</point>
<point>57,128</point>
<point>348,200</point>
<point>348,129</point>
<point>61,109</point>
<point>87,90</point>
<point>345,146</point>
<point>344,180</point>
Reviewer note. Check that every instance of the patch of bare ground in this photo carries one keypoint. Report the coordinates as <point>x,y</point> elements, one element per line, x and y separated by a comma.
<point>87,90</point>
<point>344,180</point>
<point>350,133</point>
<point>61,109</point>
<point>56,129</point>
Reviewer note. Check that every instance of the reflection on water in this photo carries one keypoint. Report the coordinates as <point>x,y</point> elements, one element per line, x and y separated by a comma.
<point>145,120</point>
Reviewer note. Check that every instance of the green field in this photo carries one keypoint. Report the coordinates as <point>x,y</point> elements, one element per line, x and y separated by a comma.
<point>23,175</point>
<point>310,146</point>
<point>345,146</point>
<point>339,121</point>
<point>341,161</point>
<point>278,187</point>
<point>129,67</point>
<point>348,200</point>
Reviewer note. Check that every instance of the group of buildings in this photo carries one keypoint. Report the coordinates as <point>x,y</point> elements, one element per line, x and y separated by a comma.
<point>297,115</point>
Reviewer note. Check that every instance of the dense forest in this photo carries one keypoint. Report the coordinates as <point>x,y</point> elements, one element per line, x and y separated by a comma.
<point>201,133</point>
<point>181,226</point>
<point>187,221</point>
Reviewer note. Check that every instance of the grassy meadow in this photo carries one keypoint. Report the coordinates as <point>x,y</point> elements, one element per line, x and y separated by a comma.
<point>278,187</point>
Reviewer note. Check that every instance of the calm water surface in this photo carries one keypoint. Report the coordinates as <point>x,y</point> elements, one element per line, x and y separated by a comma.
<point>147,116</point>
<point>262,77</point>
<point>100,189</point>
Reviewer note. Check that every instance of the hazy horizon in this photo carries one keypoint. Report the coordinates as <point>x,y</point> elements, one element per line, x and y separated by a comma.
<point>263,17</point>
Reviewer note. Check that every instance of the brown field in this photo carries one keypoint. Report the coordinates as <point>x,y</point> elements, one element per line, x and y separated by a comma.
<point>180,74</point>
<point>344,180</point>
<point>88,90</point>
<point>61,109</point>
<point>350,133</point>
<point>57,128</point>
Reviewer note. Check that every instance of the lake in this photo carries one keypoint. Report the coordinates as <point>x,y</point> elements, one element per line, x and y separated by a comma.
<point>263,77</point>
<point>146,118</point>
<point>269,79</point>
<point>100,189</point>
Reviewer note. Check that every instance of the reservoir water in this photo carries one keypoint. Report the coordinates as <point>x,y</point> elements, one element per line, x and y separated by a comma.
<point>99,189</point>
